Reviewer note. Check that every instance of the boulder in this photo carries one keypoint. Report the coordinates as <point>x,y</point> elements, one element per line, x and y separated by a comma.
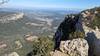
<point>75,47</point>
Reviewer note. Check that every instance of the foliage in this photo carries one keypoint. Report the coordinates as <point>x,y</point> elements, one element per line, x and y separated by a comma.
<point>76,34</point>
<point>96,18</point>
<point>95,22</point>
<point>42,47</point>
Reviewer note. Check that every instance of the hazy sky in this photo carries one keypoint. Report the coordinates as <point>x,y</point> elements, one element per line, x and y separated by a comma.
<point>53,3</point>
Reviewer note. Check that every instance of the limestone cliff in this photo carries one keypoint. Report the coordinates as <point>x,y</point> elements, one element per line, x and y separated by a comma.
<point>76,26</point>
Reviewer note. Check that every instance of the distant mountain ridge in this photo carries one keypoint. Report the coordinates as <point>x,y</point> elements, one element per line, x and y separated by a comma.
<point>11,17</point>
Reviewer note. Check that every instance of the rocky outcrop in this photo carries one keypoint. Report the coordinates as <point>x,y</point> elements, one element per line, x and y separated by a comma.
<point>93,38</point>
<point>75,47</point>
<point>87,22</point>
<point>91,28</point>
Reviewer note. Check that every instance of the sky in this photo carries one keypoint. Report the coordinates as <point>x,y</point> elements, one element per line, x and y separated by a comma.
<point>79,4</point>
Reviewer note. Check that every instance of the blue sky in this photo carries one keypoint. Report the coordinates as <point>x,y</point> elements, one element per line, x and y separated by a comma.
<point>80,4</point>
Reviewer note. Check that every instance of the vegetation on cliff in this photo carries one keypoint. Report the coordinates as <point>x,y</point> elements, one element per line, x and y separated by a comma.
<point>92,17</point>
<point>42,47</point>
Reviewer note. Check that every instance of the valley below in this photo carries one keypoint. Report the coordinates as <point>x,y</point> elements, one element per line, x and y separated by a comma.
<point>18,28</point>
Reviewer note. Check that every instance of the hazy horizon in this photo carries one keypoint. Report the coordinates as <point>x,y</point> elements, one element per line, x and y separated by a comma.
<point>52,4</point>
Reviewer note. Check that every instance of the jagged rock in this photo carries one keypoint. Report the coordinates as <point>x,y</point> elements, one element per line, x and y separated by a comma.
<point>91,28</point>
<point>75,47</point>
<point>86,21</point>
<point>66,28</point>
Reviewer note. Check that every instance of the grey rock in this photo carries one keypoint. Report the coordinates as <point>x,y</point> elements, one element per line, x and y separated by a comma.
<point>75,47</point>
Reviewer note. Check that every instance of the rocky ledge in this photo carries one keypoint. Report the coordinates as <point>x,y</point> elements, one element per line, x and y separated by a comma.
<point>75,47</point>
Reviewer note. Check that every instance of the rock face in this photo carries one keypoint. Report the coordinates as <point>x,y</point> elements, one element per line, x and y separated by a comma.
<point>88,22</point>
<point>93,38</point>
<point>75,47</point>
<point>65,28</point>
<point>97,47</point>
<point>91,26</point>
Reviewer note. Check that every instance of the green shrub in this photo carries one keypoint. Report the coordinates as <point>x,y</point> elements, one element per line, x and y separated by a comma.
<point>95,22</point>
<point>76,34</point>
<point>42,47</point>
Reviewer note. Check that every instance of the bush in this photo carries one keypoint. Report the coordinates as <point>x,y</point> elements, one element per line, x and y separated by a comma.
<point>95,22</point>
<point>42,47</point>
<point>76,34</point>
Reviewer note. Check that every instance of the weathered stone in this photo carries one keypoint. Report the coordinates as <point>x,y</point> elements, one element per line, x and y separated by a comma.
<point>57,53</point>
<point>75,47</point>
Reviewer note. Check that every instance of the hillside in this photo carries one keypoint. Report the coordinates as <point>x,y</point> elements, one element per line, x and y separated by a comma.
<point>18,29</point>
<point>91,17</point>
